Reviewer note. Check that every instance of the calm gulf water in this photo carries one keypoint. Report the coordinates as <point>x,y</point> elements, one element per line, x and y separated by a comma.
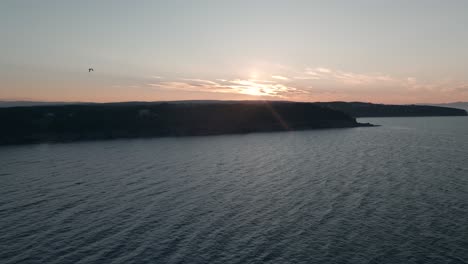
<point>391,194</point>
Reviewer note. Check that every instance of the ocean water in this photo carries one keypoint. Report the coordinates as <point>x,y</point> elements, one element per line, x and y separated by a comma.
<point>397,193</point>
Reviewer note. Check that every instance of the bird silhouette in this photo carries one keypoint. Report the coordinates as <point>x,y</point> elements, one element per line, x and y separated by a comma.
<point>90,69</point>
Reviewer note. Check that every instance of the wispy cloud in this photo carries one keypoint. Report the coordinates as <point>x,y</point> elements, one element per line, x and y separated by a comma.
<point>350,78</point>
<point>278,77</point>
<point>306,78</point>
<point>248,87</point>
<point>345,80</point>
<point>323,70</point>
<point>316,84</point>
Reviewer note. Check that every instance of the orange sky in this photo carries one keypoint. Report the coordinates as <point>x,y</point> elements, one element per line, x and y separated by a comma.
<point>398,51</point>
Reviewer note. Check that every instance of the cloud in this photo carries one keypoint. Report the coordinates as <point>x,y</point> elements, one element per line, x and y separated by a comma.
<point>252,87</point>
<point>200,81</point>
<point>343,77</point>
<point>323,70</point>
<point>307,84</point>
<point>306,78</point>
<point>186,86</point>
<point>278,77</point>
<point>460,88</point>
<point>319,84</point>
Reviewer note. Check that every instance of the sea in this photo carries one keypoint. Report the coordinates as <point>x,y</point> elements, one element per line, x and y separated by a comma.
<point>397,193</point>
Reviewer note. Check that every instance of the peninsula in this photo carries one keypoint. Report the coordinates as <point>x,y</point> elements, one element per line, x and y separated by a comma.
<point>93,121</point>
<point>359,109</point>
<point>58,123</point>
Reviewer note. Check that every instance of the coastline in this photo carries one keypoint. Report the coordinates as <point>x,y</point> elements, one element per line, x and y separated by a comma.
<point>71,123</point>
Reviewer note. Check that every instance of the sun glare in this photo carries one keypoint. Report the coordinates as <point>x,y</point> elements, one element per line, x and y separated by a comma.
<point>251,87</point>
<point>254,74</point>
<point>252,90</point>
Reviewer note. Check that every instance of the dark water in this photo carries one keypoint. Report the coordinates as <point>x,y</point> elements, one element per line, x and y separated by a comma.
<point>392,194</point>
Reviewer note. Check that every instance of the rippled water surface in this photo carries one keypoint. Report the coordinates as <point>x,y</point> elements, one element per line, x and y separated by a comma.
<point>391,194</point>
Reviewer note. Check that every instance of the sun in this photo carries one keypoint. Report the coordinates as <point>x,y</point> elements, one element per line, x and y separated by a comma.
<point>254,91</point>
<point>250,87</point>
<point>255,74</point>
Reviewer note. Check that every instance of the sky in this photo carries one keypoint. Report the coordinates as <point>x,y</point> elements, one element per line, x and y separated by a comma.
<point>397,51</point>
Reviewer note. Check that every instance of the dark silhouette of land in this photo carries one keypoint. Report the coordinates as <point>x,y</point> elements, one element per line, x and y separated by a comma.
<point>128,120</point>
<point>460,105</point>
<point>72,122</point>
<point>14,103</point>
<point>358,109</point>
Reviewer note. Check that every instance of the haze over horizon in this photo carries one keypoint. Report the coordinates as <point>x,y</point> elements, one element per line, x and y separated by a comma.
<point>373,51</point>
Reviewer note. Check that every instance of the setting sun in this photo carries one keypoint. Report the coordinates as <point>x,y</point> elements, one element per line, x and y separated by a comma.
<point>246,131</point>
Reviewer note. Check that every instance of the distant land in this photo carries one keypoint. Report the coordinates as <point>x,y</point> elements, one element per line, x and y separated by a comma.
<point>60,123</point>
<point>359,109</point>
<point>34,103</point>
<point>459,105</point>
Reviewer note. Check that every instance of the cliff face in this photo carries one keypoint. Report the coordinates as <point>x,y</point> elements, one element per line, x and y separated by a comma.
<point>101,121</point>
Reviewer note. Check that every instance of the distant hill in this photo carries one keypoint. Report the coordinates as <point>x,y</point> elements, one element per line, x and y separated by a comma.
<point>33,103</point>
<point>4,104</point>
<point>459,105</point>
<point>358,109</point>
<point>159,119</point>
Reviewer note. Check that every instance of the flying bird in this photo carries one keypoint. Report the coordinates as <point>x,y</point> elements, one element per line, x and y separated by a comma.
<point>90,69</point>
